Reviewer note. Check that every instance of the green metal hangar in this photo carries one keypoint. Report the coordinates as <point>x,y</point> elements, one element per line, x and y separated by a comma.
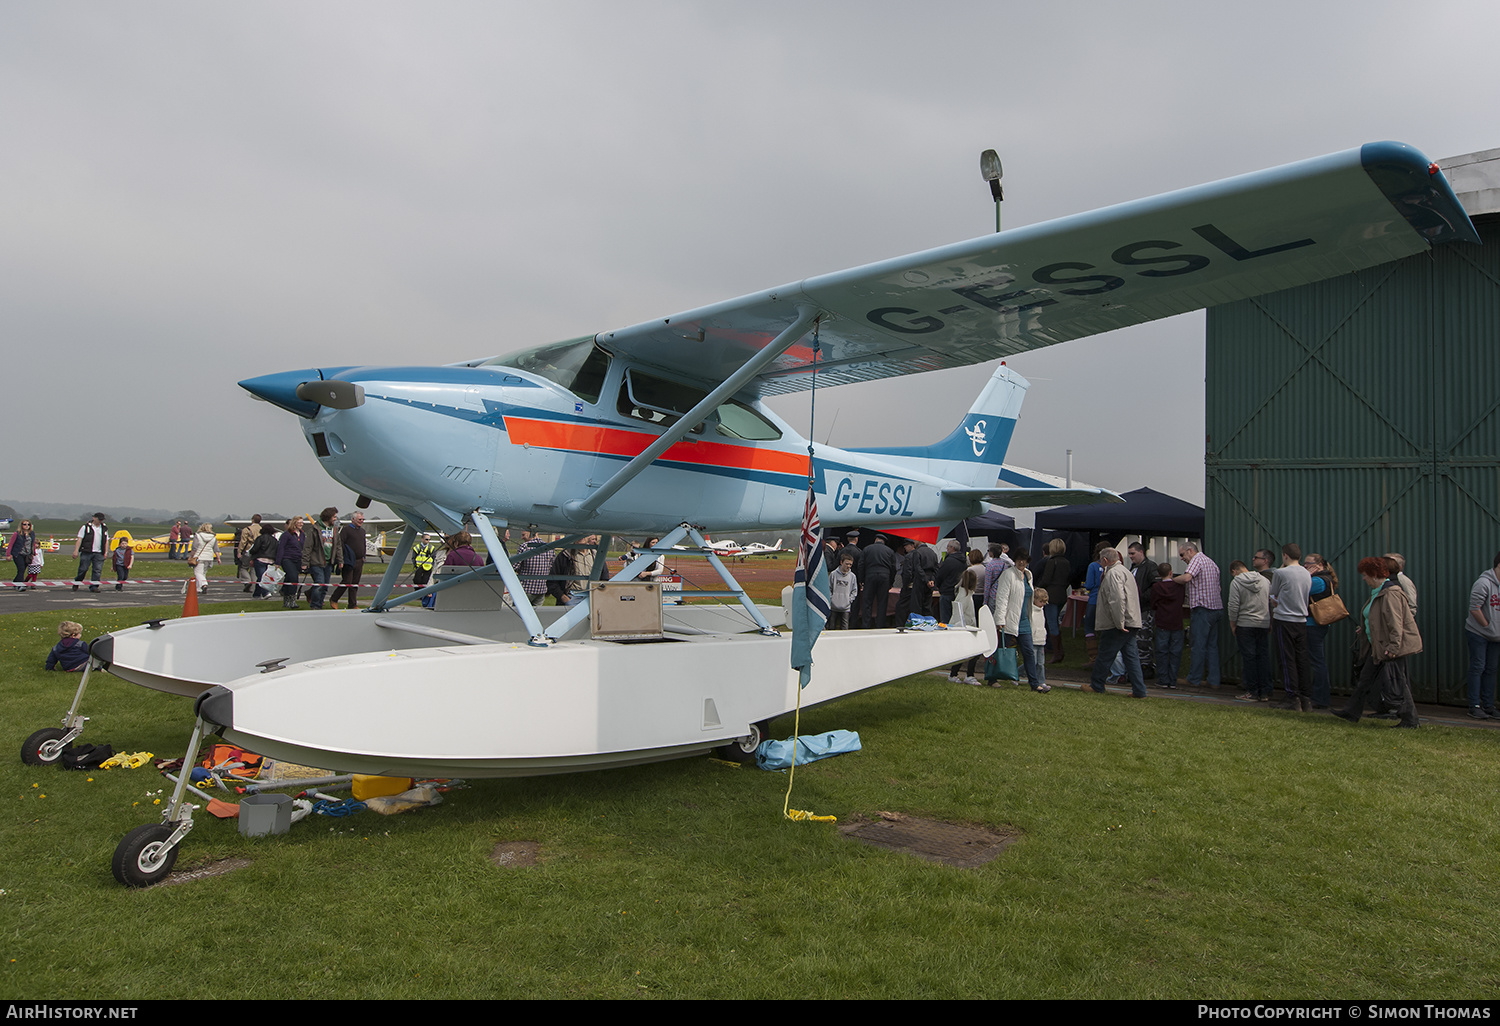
<point>1361,416</point>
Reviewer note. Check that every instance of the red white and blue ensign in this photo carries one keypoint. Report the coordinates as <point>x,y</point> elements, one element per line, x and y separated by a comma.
<point>809,589</point>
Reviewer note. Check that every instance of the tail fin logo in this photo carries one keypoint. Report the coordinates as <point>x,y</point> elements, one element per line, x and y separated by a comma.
<point>977,437</point>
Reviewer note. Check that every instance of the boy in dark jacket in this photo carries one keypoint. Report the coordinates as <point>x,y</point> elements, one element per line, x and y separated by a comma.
<point>123,557</point>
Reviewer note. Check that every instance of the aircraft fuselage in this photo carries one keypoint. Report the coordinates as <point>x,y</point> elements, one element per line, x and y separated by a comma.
<point>439,441</point>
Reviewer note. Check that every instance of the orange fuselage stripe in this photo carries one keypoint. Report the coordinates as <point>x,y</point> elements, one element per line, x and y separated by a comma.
<point>607,441</point>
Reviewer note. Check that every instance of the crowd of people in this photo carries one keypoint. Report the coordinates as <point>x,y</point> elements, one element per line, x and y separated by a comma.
<point>271,557</point>
<point>951,591</point>
<point>1285,609</point>
<point>1139,617</point>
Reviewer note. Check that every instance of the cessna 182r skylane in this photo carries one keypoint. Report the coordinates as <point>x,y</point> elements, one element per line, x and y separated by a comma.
<point>662,423</point>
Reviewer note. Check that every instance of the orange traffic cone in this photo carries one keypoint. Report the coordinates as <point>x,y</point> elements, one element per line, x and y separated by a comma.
<point>190,600</point>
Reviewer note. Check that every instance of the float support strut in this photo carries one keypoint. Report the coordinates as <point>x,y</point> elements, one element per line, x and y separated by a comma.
<point>393,571</point>
<point>512,582</point>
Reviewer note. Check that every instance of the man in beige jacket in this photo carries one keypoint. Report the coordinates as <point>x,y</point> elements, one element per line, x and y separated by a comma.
<point>1116,623</point>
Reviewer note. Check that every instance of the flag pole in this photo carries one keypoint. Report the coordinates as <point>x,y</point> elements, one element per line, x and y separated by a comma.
<point>809,557</point>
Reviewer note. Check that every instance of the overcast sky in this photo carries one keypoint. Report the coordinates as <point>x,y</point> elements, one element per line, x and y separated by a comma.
<point>197,193</point>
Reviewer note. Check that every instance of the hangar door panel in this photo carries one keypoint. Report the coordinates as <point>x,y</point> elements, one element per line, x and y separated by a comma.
<point>1361,416</point>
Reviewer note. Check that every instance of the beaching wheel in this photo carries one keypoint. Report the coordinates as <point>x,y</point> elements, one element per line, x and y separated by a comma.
<point>44,747</point>
<point>743,749</point>
<point>143,858</point>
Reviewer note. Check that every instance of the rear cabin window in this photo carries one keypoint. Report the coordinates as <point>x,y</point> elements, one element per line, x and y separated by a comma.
<point>736,420</point>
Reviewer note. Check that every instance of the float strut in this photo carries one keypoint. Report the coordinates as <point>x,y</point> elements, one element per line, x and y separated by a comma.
<point>393,570</point>
<point>512,581</point>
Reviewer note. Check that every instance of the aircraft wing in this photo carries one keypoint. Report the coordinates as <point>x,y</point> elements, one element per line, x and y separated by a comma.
<point>1038,285</point>
<point>1026,498</point>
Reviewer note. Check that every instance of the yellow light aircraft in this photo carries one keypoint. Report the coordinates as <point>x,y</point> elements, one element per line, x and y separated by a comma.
<point>159,543</point>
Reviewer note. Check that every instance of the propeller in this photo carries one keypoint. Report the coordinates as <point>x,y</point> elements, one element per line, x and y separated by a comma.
<point>337,395</point>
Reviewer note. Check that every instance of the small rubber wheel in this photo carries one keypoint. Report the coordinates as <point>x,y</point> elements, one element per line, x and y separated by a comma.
<point>143,858</point>
<point>743,749</point>
<point>41,748</point>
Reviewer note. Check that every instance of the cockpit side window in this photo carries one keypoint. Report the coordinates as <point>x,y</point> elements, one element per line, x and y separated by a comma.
<point>578,365</point>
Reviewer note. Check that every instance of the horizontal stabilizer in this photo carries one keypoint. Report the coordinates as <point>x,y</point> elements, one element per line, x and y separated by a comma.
<point>1027,498</point>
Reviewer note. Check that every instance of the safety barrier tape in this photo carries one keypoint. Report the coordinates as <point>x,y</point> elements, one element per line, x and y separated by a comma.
<point>223,583</point>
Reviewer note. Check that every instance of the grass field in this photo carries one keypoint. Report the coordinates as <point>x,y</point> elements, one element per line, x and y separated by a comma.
<point>1167,849</point>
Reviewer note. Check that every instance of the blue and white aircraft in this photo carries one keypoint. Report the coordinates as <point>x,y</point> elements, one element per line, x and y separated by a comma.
<point>662,423</point>
<point>634,430</point>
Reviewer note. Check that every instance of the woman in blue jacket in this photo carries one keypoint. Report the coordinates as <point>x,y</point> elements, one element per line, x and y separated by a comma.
<point>289,555</point>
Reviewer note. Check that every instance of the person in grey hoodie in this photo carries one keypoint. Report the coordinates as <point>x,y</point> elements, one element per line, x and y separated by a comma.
<point>1250,621</point>
<point>842,588</point>
<point>1482,631</point>
<point>1290,585</point>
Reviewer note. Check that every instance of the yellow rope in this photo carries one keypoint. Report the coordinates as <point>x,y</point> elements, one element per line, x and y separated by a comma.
<point>798,815</point>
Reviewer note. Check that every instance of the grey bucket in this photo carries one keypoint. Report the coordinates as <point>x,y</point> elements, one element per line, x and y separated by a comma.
<point>263,814</point>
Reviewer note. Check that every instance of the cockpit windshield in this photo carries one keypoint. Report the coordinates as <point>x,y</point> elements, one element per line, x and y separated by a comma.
<point>578,365</point>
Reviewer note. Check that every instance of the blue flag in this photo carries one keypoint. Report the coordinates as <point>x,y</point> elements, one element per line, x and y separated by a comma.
<point>809,590</point>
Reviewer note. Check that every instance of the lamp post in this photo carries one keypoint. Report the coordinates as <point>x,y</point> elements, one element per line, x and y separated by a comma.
<point>989,167</point>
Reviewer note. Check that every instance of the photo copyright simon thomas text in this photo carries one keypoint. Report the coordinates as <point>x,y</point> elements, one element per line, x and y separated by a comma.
<point>1345,1010</point>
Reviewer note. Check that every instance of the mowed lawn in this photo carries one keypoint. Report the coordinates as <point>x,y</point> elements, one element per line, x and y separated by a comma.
<point>1167,849</point>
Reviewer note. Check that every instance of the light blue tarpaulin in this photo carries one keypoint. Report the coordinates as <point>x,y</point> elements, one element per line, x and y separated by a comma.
<point>777,755</point>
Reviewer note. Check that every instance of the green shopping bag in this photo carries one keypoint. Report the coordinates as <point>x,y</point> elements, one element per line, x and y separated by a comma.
<point>1002,664</point>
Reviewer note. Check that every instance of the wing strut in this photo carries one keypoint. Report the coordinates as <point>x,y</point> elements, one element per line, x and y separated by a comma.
<point>580,510</point>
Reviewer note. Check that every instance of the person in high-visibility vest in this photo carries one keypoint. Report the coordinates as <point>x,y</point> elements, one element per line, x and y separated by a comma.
<point>423,558</point>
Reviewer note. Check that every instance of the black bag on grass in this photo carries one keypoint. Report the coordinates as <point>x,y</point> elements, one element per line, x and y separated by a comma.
<point>84,757</point>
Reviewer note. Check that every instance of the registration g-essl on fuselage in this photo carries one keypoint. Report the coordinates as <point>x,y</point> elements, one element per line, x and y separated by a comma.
<point>872,496</point>
<point>523,434</point>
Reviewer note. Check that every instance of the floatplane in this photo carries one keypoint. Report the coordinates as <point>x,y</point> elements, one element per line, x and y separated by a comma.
<point>661,429</point>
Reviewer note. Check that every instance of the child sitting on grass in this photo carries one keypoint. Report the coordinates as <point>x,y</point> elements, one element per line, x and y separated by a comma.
<point>70,653</point>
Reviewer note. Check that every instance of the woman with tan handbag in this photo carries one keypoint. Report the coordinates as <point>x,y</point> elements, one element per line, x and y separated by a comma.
<point>1324,607</point>
<point>1385,634</point>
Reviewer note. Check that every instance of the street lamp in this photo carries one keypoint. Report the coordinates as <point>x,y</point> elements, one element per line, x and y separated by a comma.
<point>989,167</point>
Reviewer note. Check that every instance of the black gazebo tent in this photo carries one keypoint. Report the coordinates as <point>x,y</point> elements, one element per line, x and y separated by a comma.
<point>991,524</point>
<point>1145,512</point>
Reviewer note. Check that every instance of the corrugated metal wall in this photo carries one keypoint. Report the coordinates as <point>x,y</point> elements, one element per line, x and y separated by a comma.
<point>1361,416</point>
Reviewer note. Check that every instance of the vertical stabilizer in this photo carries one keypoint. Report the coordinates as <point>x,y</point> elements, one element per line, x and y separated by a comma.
<point>973,453</point>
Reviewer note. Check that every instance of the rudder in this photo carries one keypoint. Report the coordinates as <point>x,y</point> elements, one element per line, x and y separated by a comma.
<point>973,453</point>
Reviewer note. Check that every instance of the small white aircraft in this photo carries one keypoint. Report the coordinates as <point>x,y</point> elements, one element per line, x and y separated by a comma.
<point>761,549</point>
<point>726,547</point>
<point>632,431</point>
